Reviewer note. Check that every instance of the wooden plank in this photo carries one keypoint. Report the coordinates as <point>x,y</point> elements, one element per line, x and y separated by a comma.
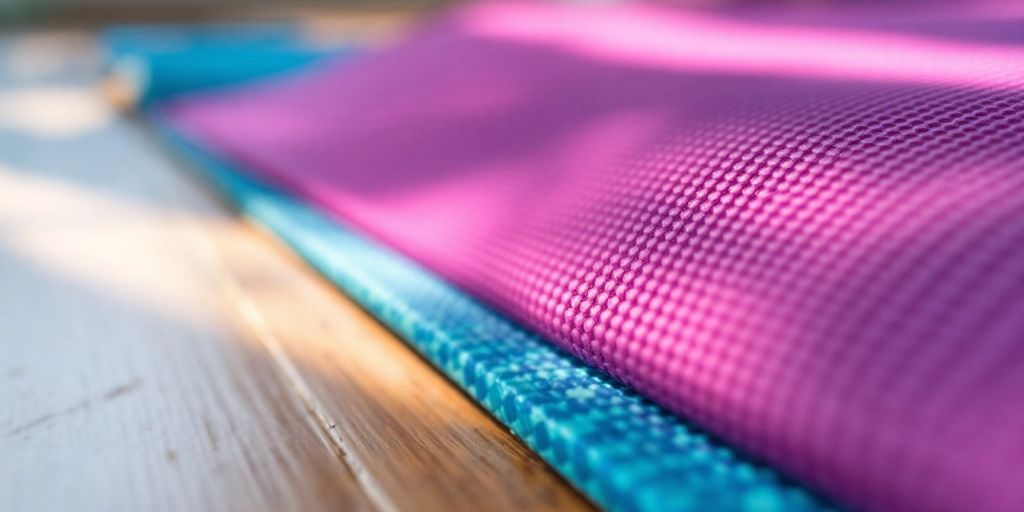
<point>126,382</point>
<point>135,321</point>
<point>421,442</point>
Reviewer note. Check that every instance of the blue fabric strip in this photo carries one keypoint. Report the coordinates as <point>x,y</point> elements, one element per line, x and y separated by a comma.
<point>621,450</point>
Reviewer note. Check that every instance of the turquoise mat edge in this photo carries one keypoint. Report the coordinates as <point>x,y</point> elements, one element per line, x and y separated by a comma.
<point>622,451</point>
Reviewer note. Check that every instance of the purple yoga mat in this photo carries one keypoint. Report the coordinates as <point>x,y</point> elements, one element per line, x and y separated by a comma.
<point>803,232</point>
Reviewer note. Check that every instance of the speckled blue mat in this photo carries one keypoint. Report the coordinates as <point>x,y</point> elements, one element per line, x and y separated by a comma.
<point>621,450</point>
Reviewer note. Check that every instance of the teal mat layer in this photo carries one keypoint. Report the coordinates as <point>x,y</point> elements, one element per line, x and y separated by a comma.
<point>164,61</point>
<point>621,450</point>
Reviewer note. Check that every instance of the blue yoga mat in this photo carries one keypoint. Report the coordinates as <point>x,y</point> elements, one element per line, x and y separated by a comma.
<point>163,61</point>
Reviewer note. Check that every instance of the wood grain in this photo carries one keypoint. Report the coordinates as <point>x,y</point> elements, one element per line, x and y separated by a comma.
<point>126,380</point>
<point>157,353</point>
<point>127,385</point>
<point>420,441</point>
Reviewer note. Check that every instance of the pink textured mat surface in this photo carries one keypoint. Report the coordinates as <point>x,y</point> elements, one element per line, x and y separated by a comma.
<point>806,236</point>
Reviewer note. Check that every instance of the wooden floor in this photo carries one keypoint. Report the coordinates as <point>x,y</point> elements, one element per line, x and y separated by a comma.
<point>159,353</point>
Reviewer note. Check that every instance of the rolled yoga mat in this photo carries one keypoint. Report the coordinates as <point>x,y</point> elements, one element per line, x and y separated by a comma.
<point>805,235</point>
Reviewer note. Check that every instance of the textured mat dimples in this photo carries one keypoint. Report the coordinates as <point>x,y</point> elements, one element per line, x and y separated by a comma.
<point>621,450</point>
<point>806,235</point>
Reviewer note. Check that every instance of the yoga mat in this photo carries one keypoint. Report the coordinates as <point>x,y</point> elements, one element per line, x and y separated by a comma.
<point>158,62</point>
<point>621,450</point>
<point>804,232</point>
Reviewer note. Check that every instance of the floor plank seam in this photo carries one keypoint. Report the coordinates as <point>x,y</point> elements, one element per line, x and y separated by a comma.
<point>318,418</point>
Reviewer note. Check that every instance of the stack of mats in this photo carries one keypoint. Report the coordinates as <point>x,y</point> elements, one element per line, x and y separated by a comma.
<point>800,233</point>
